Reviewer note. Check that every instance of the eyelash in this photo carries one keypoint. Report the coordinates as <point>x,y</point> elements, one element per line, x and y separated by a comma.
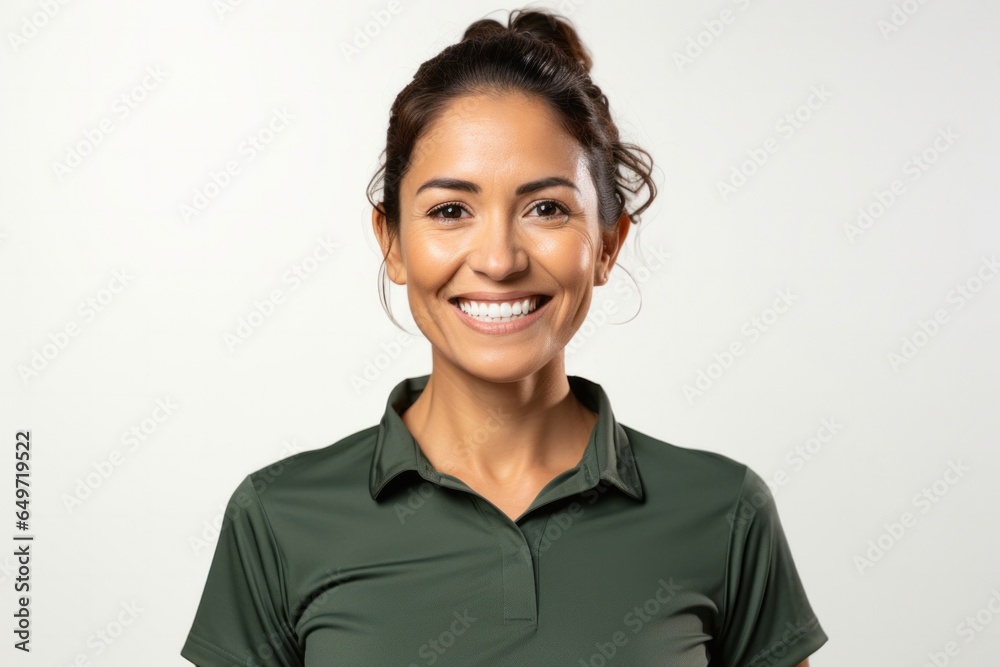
<point>434,211</point>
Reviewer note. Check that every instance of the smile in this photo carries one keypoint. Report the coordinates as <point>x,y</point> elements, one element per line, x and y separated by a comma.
<point>500,317</point>
<point>500,311</point>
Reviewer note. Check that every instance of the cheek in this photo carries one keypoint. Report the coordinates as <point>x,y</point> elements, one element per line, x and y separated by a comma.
<point>427,259</point>
<point>572,263</point>
<point>437,249</point>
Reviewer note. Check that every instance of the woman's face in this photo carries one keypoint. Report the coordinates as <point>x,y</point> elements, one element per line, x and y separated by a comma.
<point>498,207</point>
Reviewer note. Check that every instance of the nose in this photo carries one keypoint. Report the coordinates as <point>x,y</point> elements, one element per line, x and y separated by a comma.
<point>498,249</point>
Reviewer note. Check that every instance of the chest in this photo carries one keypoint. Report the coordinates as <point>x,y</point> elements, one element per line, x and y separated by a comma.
<point>450,582</point>
<point>486,598</point>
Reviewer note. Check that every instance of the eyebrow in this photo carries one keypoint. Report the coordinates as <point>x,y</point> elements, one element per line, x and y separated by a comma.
<point>469,186</point>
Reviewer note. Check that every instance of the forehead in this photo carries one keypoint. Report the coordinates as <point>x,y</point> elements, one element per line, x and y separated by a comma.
<point>484,137</point>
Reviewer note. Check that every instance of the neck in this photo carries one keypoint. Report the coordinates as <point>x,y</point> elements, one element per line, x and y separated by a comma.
<point>500,432</point>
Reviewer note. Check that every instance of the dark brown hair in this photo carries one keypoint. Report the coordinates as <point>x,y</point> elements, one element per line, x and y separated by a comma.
<point>537,53</point>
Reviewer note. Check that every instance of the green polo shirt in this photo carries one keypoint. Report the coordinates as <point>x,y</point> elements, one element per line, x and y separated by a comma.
<point>361,554</point>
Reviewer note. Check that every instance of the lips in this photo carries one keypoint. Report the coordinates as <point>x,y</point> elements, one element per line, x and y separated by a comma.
<point>508,318</point>
<point>498,297</point>
<point>542,299</point>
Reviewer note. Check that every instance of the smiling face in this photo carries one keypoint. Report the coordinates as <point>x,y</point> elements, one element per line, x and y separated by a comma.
<point>498,208</point>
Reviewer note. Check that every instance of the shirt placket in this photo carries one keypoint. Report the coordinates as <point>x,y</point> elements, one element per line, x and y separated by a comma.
<point>518,555</point>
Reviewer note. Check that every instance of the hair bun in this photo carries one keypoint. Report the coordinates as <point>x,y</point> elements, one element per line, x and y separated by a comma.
<point>484,29</point>
<point>552,29</point>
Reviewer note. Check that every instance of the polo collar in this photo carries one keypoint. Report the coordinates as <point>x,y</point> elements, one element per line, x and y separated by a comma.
<point>608,455</point>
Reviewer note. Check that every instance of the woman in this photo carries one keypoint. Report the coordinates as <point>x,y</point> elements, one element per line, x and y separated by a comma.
<point>499,514</point>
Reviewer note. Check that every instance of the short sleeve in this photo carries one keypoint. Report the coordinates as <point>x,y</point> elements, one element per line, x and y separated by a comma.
<point>242,618</point>
<point>767,618</point>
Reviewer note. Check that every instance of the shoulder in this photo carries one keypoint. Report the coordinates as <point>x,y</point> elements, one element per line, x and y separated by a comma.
<point>335,466</point>
<point>690,471</point>
<point>657,456</point>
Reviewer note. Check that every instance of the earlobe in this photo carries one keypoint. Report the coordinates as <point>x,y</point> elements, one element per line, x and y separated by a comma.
<point>612,244</point>
<point>603,267</point>
<point>394,271</point>
<point>394,267</point>
<point>395,264</point>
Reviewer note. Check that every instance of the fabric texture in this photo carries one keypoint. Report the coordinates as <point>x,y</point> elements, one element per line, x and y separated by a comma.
<point>361,553</point>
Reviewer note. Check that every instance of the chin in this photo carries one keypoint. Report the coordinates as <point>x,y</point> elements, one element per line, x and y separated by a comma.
<point>500,368</point>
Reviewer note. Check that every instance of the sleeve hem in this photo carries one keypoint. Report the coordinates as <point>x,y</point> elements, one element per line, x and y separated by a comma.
<point>802,649</point>
<point>204,653</point>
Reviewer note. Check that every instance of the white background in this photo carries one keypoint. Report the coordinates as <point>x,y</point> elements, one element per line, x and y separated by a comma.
<point>292,384</point>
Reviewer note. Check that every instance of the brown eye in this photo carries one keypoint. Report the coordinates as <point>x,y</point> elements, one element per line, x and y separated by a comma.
<point>450,207</point>
<point>553,207</point>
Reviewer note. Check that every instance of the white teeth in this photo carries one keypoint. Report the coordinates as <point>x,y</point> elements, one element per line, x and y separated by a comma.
<point>498,312</point>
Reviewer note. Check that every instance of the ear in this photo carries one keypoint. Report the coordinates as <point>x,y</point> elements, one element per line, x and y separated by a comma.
<point>613,240</point>
<point>394,266</point>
